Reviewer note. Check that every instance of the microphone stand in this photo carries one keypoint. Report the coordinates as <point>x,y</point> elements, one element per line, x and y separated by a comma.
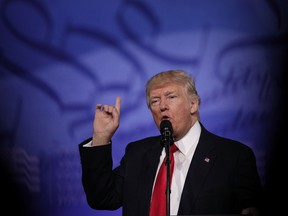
<point>167,142</point>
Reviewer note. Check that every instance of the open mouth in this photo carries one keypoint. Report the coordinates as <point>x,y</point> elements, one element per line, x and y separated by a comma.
<point>165,118</point>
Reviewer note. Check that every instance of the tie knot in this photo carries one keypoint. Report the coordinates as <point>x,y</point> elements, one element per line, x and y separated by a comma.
<point>173,148</point>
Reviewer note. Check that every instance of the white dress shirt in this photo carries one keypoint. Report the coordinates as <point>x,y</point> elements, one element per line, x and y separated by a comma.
<point>182,158</point>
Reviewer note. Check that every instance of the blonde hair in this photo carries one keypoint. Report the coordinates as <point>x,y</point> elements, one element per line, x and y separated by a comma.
<point>179,77</point>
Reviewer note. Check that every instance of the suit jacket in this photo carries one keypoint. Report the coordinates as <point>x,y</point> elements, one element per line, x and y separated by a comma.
<point>222,178</point>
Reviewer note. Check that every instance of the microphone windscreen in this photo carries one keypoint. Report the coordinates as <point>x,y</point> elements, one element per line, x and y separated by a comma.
<point>165,125</point>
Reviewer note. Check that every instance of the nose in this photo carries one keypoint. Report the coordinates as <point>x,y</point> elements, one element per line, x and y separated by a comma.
<point>163,105</point>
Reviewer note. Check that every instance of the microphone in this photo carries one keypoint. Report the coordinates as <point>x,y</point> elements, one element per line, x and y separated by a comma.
<point>167,140</point>
<point>166,131</point>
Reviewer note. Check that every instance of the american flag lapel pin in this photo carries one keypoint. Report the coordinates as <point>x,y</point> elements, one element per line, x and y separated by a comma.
<point>207,160</point>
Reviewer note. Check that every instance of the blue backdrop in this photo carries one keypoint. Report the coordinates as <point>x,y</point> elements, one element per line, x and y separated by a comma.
<point>59,58</point>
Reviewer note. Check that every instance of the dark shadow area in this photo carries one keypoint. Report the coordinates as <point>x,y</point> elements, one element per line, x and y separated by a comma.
<point>15,198</point>
<point>275,200</point>
<point>12,196</point>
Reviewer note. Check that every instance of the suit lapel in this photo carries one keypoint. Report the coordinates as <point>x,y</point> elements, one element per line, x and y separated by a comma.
<point>146,179</point>
<point>199,168</point>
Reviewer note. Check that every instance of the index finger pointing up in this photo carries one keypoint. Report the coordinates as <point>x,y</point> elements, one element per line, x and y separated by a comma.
<point>118,103</point>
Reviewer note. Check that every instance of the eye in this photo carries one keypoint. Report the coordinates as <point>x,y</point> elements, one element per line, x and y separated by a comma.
<point>154,101</point>
<point>172,96</point>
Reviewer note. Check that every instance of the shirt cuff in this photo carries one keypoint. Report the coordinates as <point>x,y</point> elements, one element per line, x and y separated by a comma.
<point>89,144</point>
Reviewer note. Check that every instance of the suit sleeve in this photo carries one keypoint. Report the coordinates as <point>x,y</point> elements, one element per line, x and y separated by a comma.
<point>248,185</point>
<point>101,184</point>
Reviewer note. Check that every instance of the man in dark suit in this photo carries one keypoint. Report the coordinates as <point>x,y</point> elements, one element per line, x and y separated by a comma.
<point>212,174</point>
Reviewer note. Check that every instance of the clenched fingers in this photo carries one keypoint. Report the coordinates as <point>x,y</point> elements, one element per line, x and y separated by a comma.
<point>110,109</point>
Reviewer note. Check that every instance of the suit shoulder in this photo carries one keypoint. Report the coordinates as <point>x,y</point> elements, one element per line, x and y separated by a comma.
<point>140,147</point>
<point>224,142</point>
<point>144,143</point>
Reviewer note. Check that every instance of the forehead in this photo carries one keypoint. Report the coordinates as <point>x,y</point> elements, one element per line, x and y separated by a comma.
<point>166,88</point>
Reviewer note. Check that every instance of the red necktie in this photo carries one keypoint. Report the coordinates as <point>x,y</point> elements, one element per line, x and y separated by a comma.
<point>158,203</point>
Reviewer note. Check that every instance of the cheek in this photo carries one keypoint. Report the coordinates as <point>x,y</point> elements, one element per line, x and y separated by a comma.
<point>155,114</point>
<point>183,109</point>
<point>182,115</point>
<point>156,118</point>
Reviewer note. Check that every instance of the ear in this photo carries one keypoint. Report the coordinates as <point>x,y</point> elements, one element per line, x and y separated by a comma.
<point>194,106</point>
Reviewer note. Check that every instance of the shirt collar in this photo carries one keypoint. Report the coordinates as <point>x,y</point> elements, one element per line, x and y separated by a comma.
<point>190,139</point>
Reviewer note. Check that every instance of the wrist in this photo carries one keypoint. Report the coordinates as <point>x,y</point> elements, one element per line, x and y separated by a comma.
<point>100,141</point>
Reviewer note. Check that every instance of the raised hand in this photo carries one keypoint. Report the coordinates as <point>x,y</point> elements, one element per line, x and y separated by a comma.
<point>106,122</point>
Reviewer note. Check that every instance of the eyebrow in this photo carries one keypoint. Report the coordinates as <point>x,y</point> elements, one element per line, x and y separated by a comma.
<point>165,93</point>
<point>170,92</point>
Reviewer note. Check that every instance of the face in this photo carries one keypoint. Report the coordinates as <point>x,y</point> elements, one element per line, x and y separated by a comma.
<point>170,101</point>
